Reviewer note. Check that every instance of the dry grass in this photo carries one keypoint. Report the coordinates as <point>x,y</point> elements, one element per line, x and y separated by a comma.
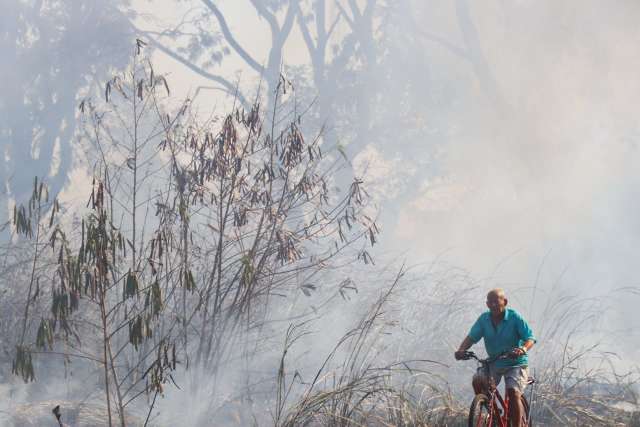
<point>76,414</point>
<point>576,385</point>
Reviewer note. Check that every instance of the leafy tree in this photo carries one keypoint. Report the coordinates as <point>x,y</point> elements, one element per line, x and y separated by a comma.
<point>106,300</point>
<point>51,51</point>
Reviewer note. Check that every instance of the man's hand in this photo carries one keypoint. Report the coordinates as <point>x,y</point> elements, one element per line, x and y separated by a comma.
<point>517,352</point>
<point>466,345</point>
<point>459,355</point>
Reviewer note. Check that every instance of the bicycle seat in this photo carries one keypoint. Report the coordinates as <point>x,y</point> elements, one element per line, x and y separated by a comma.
<point>530,380</point>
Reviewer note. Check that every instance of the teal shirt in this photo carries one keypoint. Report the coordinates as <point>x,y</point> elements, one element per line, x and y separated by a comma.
<point>512,332</point>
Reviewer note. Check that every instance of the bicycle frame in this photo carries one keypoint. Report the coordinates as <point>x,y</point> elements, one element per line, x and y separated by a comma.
<point>495,399</point>
<point>498,406</point>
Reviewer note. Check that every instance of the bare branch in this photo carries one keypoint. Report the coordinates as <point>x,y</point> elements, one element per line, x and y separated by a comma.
<point>355,10</point>
<point>231,40</point>
<point>229,88</point>
<point>333,25</point>
<point>288,21</point>
<point>270,17</point>
<point>344,13</point>
<point>306,35</point>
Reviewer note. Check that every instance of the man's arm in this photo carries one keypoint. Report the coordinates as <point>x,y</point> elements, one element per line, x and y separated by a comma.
<point>475,334</point>
<point>464,346</point>
<point>526,334</point>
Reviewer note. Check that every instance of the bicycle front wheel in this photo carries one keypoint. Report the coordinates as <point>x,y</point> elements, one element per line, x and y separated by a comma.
<point>525,406</point>
<point>480,413</point>
<point>525,415</point>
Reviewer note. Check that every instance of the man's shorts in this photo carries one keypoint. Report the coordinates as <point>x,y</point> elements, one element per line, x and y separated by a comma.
<point>515,377</point>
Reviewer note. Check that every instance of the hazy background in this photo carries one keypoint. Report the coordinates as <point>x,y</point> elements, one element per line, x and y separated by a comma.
<point>500,138</point>
<point>516,155</point>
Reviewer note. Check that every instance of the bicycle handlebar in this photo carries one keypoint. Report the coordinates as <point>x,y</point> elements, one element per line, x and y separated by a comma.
<point>504,355</point>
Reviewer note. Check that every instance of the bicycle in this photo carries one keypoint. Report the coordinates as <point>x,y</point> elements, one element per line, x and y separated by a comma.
<point>490,409</point>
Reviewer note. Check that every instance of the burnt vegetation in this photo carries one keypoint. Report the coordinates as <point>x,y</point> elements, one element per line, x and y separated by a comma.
<point>193,232</point>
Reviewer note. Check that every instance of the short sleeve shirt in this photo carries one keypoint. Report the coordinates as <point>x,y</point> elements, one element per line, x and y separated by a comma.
<point>512,332</point>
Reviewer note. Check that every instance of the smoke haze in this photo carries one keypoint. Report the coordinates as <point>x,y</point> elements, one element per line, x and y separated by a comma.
<point>500,141</point>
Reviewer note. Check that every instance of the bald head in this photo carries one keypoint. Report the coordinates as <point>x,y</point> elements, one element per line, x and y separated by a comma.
<point>495,293</point>
<point>496,302</point>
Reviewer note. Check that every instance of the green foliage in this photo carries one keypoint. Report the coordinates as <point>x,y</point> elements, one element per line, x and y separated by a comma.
<point>22,222</point>
<point>153,299</point>
<point>188,281</point>
<point>44,338</point>
<point>130,286</point>
<point>63,303</point>
<point>139,330</point>
<point>26,218</point>
<point>165,361</point>
<point>23,364</point>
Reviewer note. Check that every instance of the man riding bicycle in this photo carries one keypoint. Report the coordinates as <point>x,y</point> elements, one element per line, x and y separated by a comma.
<point>503,329</point>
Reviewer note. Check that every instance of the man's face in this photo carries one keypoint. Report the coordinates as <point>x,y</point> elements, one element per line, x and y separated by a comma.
<point>496,303</point>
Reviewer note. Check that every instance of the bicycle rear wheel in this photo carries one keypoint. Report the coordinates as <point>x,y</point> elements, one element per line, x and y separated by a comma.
<point>479,412</point>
